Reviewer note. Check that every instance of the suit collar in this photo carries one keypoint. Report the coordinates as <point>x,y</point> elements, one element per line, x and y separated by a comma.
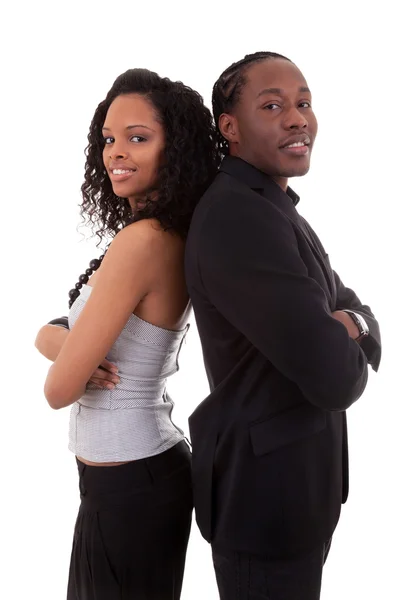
<point>257,180</point>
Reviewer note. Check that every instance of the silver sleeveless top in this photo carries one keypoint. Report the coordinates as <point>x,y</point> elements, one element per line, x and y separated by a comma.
<point>133,420</point>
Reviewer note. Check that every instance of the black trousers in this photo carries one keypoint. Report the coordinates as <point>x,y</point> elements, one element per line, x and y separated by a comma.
<point>243,576</point>
<point>132,529</point>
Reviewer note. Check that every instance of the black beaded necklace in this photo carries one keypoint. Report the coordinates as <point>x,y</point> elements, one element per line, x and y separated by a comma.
<point>84,278</point>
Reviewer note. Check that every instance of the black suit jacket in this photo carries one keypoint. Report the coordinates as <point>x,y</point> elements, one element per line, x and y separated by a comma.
<point>269,442</point>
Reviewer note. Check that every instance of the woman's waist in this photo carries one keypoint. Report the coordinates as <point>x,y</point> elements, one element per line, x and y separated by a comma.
<point>103,435</point>
<point>141,395</point>
<point>142,367</point>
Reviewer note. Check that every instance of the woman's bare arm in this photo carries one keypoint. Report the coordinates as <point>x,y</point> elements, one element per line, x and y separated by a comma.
<point>50,340</point>
<point>123,280</point>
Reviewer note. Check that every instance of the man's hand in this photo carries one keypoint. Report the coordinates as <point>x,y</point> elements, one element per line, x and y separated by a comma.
<point>105,376</point>
<point>348,322</point>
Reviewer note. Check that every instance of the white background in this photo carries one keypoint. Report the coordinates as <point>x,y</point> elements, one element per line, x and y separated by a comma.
<point>58,62</point>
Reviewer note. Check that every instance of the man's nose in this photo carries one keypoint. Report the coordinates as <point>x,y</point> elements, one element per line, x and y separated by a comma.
<point>295,119</point>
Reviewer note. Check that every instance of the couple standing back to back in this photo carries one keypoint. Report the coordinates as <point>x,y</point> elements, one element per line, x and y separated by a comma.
<point>286,345</point>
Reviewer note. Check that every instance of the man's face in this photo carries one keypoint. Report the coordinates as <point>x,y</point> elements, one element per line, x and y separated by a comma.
<point>273,126</point>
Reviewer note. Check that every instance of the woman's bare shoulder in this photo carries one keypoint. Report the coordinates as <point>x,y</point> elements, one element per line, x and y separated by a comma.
<point>149,236</point>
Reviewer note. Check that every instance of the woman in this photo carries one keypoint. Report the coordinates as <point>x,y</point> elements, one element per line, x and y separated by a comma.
<point>151,154</point>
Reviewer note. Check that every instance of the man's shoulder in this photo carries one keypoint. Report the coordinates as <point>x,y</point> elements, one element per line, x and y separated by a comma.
<point>228,194</point>
<point>223,193</point>
<point>225,184</point>
<point>231,208</point>
<point>217,191</point>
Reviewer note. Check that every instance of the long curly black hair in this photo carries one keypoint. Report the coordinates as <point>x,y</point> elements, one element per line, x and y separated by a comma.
<point>191,157</point>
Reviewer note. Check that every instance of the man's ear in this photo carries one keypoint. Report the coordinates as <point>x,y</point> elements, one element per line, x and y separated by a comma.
<point>228,128</point>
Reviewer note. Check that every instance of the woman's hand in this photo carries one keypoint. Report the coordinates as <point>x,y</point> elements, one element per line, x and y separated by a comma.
<point>105,376</point>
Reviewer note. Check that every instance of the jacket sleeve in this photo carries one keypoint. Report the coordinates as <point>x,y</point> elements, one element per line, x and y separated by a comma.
<point>253,274</point>
<point>347,299</point>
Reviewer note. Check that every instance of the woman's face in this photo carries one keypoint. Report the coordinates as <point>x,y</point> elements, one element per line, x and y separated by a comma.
<point>134,143</point>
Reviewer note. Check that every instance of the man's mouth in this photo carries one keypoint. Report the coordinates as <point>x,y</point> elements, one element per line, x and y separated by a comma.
<point>297,141</point>
<point>296,145</point>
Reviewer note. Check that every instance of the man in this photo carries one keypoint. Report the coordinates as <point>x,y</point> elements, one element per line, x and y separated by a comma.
<point>286,347</point>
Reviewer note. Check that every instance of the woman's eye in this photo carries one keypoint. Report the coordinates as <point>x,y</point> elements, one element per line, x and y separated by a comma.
<point>305,104</point>
<point>108,140</point>
<point>137,139</point>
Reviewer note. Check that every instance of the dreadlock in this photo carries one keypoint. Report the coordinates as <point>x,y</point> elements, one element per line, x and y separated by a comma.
<point>227,89</point>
